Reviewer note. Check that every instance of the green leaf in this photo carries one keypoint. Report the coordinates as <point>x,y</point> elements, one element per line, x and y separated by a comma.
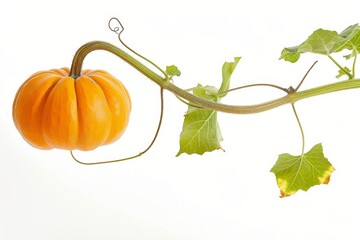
<point>227,70</point>
<point>352,35</point>
<point>302,172</point>
<point>172,71</point>
<point>349,31</point>
<point>326,42</point>
<point>290,54</point>
<point>320,41</point>
<point>201,132</point>
<point>323,42</point>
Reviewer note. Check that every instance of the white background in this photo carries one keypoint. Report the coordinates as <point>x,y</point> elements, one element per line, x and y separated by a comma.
<point>220,195</point>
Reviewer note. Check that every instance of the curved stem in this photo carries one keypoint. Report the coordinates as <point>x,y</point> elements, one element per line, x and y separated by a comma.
<point>141,153</point>
<point>354,65</point>
<point>289,98</point>
<point>301,129</point>
<point>303,79</point>
<point>256,85</point>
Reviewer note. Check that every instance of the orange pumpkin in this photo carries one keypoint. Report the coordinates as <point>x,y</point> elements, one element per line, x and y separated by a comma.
<point>53,110</point>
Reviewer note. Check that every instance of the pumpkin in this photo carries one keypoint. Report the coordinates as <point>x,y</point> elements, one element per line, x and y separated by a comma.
<point>53,110</point>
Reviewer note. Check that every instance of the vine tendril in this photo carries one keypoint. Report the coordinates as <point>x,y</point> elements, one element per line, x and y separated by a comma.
<point>303,79</point>
<point>116,29</point>
<point>142,152</point>
<point>119,30</point>
<point>289,90</point>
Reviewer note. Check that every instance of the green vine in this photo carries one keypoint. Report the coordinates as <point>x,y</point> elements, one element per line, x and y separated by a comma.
<point>292,173</point>
<point>236,109</point>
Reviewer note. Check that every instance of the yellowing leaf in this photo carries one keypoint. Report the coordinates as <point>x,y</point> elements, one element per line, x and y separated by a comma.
<point>295,173</point>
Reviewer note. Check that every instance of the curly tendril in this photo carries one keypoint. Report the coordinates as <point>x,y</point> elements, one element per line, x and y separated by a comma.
<point>119,30</point>
<point>116,29</point>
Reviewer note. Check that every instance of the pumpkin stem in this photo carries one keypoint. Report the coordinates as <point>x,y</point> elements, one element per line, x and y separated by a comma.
<point>75,70</point>
<point>141,153</point>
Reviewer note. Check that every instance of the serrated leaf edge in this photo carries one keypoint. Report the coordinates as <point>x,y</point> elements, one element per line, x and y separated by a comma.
<point>324,179</point>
